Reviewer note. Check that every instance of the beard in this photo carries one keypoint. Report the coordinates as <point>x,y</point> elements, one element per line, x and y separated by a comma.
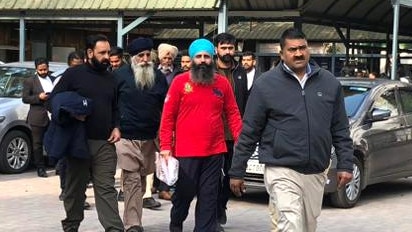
<point>144,74</point>
<point>100,65</point>
<point>202,73</point>
<point>247,68</point>
<point>225,58</point>
<point>43,75</point>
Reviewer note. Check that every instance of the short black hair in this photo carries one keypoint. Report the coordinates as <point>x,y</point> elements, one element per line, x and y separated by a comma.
<point>116,51</point>
<point>184,53</point>
<point>75,55</point>
<point>40,60</point>
<point>291,33</point>
<point>249,53</point>
<point>224,38</point>
<point>92,40</point>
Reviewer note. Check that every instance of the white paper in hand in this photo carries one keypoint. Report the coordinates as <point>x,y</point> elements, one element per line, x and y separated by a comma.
<point>167,173</point>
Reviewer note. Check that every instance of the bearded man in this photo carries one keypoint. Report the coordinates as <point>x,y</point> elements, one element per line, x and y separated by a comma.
<point>142,90</point>
<point>225,45</point>
<point>92,80</point>
<point>192,130</point>
<point>35,93</point>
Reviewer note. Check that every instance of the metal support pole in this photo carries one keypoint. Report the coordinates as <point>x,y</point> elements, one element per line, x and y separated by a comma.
<point>119,30</point>
<point>222,17</point>
<point>394,63</point>
<point>22,42</point>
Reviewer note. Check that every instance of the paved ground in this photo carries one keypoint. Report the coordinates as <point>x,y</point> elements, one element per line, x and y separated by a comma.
<point>31,203</point>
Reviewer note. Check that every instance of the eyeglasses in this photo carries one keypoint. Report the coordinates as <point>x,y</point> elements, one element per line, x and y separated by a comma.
<point>294,50</point>
<point>143,54</point>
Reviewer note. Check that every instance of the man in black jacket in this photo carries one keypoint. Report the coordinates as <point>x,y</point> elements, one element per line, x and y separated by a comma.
<point>227,66</point>
<point>36,92</point>
<point>249,64</point>
<point>295,136</point>
<point>93,80</point>
<point>142,91</point>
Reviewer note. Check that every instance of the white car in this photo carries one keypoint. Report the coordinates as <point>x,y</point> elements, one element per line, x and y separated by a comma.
<point>15,134</point>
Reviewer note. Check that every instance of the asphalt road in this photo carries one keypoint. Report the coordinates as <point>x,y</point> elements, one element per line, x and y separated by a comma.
<point>31,203</point>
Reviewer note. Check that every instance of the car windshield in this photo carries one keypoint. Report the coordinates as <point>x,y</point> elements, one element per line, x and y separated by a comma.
<point>354,96</point>
<point>11,80</point>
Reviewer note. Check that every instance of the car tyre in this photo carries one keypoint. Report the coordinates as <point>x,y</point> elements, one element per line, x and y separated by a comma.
<point>15,152</point>
<point>348,197</point>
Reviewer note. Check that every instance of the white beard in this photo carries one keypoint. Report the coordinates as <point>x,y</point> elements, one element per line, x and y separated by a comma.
<point>144,75</point>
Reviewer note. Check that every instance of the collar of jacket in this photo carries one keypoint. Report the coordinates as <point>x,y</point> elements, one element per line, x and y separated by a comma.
<point>311,69</point>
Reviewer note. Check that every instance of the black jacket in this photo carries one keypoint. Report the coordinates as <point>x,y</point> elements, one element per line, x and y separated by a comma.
<point>295,127</point>
<point>240,85</point>
<point>37,115</point>
<point>140,110</point>
<point>100,86</point>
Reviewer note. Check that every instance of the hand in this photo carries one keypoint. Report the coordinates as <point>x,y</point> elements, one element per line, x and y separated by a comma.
<point>237,186</point>
<point>114,136</point>
<point>165,154</point>
<point>80,117</point>
<point>43,96</point>
<point>344,178</point>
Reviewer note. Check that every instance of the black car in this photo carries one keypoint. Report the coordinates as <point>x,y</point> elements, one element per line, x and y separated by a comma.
<point>380,118</point>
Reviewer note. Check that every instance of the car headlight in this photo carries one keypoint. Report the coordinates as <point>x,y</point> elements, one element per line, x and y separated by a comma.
<point>2,118</point>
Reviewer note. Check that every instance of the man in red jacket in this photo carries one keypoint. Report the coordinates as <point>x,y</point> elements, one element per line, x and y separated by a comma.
<point>191,129</point>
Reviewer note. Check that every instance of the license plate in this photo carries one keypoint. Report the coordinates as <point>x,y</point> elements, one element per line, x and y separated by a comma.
<point>253,166</point>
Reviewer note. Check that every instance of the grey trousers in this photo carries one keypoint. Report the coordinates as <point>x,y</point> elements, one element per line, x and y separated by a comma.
<point>102,169</point>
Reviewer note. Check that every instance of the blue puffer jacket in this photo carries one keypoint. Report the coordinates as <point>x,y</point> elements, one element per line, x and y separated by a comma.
<point>66,136</point>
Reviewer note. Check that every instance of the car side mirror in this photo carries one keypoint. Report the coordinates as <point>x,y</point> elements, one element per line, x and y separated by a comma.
<point>379,114</point>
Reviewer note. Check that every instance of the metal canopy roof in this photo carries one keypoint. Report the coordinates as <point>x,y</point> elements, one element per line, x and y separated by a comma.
<point>370,15</point>
<point>107,5</point>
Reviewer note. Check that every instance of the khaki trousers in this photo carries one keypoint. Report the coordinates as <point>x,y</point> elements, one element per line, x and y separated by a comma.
<point>295,199</point>
<point>136,159</point>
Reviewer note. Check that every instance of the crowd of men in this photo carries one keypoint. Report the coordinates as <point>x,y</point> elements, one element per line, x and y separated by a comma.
<point>111,112</point>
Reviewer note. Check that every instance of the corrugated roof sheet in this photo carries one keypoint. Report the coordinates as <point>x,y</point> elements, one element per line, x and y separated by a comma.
<point>108,4</point>
<point>273,31</point>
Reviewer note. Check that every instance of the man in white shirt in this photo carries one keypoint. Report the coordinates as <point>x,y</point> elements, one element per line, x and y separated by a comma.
<point>249,64</point>
<point>35,92</point>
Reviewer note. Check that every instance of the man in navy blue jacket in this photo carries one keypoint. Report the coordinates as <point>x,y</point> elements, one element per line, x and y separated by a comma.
<point>142,91</point>
<point>295,136</point>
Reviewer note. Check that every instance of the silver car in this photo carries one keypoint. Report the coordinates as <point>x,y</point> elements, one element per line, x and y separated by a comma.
<point>15,134</point>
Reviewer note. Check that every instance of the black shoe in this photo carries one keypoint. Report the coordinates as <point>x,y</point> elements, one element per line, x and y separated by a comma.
<point>120,196</point>
<point>86,205</point>
<point>222,218</point>
<point>150,203</point>
<point>219,228</point>
<point>41,172</point>
<point>135,229</point>
<point>61,196</point>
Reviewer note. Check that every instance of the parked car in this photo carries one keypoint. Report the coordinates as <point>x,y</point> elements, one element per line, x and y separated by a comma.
<point>15,134</point>
<point>380,118</point>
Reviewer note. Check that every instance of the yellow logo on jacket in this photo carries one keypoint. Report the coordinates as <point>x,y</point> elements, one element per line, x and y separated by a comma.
<point>188,88</point>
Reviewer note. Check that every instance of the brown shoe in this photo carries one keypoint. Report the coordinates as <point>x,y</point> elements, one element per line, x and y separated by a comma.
<point>165,195</point>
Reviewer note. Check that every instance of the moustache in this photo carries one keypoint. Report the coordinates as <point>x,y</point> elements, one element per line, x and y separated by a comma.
<point>144,64</point>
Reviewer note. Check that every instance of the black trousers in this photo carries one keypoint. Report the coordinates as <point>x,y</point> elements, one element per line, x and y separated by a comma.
<point>224,186</point>
<point>197,177</point>
<point>61,166</point>
<point>37,133</point>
